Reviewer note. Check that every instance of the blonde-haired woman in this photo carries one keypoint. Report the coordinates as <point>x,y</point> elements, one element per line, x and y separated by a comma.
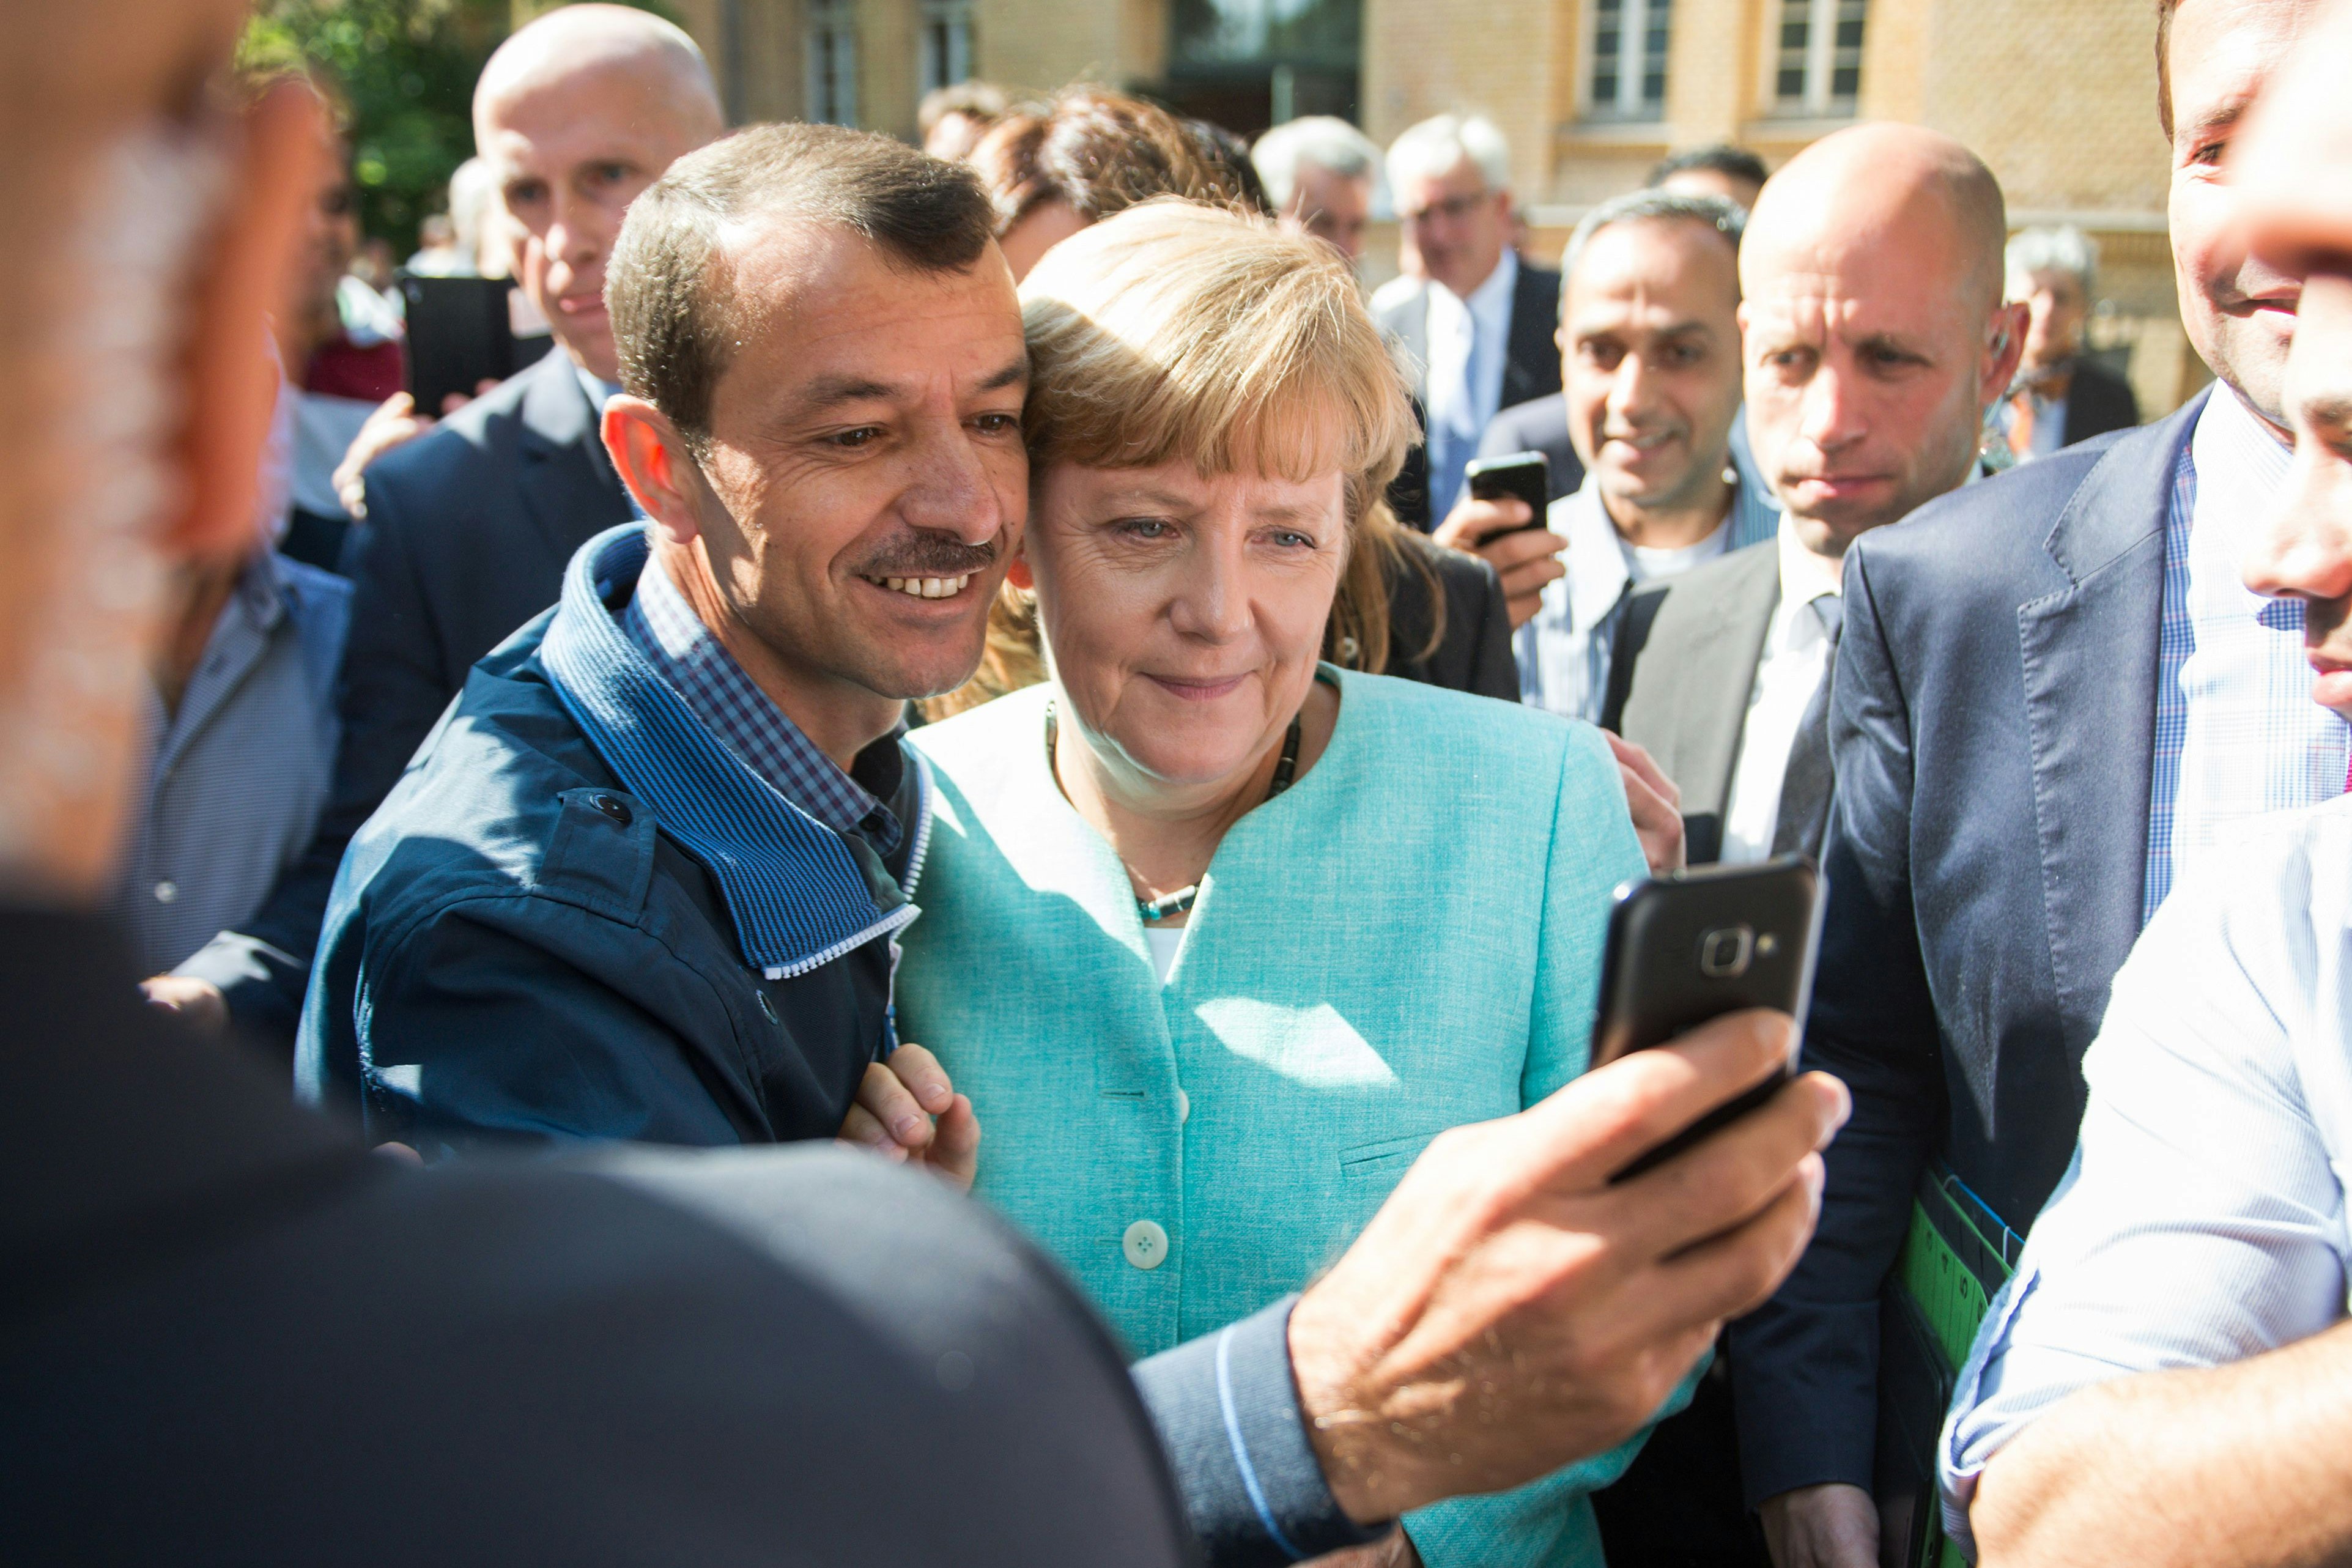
<point>1216,935</point>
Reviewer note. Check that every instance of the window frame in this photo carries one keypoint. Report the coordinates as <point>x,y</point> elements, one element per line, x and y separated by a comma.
<point>1629,103</point>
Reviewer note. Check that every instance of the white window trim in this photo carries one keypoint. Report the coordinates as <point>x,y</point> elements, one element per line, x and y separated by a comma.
<point>1821,64</point>
<point>955,15</point>
<point>835,19</point>
<point>1633,62</point>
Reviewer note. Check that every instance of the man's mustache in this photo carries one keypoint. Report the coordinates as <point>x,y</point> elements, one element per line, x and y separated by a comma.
<point>931,555</point>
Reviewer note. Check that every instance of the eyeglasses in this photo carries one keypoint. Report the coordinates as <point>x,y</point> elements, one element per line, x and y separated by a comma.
<point>1451,207</point>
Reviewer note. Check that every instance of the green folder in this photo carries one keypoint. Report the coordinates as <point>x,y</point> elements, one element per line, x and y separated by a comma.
<point>1954,1258</point>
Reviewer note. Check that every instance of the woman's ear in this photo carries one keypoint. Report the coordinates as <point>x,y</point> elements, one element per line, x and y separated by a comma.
<point>232,387</point>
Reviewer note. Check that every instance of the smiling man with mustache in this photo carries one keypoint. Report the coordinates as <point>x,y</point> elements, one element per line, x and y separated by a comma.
<point>2055,694</point>
<point>655,858</point>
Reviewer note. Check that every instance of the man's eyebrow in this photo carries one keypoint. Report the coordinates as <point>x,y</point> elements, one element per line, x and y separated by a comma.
<point>827,391</point>
<point>1890,343</point>
<point>1013,375</point>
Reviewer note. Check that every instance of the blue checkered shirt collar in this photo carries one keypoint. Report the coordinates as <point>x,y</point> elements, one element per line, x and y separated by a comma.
<point>795,892</point>
<point>684,653</point>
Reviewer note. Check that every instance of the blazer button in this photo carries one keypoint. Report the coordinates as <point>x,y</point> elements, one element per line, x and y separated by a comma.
<point>1145,1244</point>
<point>1183,1108</point>
<point>613,807</point>
<point>767,1009</point>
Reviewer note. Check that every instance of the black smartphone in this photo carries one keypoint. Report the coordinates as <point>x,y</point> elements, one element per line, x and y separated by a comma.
<point>1518,476</point>
<point>460,334</point>
<point>1689,947</point>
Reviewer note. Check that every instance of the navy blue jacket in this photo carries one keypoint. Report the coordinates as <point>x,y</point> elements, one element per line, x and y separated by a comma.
<point>580,916</point>
<point>1993,726</point>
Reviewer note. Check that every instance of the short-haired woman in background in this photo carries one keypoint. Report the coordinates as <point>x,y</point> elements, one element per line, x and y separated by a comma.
<point>1218,936</point>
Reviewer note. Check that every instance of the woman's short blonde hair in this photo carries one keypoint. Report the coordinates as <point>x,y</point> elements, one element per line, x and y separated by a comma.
<point>1175,331</point>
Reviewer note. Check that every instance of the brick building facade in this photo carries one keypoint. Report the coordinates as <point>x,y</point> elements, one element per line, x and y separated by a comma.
<point>2058,96</point>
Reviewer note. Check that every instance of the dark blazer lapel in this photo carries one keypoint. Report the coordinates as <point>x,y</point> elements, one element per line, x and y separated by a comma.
<point>567,482</point>
<point>1531,358</point>
<point>2090,664</point>
<point>1690,690</point>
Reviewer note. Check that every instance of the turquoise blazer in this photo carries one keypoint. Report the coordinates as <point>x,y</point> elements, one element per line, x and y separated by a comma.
<point>1407,939</point>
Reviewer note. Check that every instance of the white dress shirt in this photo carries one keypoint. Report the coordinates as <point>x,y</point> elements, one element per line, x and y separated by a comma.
<point>2203,1219</point>
<point>1796,661</point>
<point>2249,739</point>
<point>1469,343</point>
<point>1564,649</point>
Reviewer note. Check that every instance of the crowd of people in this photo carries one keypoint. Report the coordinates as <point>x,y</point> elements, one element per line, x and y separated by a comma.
<point>937,893</point>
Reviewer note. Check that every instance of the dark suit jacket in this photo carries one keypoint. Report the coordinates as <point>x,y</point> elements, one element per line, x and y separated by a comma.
<point>1473,648</point>
<point>2098,401</point>
<point>1993,726</point>
<point>1680,673</point>
<point>1530,369</point>
<point>466,535</point>
<point>233,1335</point>
<point>1540,426</point>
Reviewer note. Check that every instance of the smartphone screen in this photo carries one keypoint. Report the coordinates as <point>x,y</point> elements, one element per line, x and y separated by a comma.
<point>1691,947</point>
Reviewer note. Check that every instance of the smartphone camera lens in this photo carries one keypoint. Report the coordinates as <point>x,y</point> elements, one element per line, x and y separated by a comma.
<point>1723,954</point>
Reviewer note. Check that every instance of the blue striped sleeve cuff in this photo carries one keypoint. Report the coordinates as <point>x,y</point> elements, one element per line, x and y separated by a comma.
<point>1228,1414</point>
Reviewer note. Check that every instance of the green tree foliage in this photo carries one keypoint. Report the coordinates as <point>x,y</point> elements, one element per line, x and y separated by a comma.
<point>404,71</point>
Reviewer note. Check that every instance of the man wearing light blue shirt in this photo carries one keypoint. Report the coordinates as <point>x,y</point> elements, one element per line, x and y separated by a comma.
<point>2165,1379</point>
<point>1649,366</point>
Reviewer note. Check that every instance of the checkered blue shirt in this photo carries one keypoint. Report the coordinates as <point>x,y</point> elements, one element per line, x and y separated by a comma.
<point>2236,735</point>
<point>683,652</point>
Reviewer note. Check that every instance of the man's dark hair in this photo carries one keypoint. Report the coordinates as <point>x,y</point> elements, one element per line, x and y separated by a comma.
<point>1099,153</point>
<point>1230,154</point>
<point>1723,158</point>
<point>670,287</point>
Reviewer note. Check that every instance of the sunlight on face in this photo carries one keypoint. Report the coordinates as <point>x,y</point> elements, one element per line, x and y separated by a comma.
<point>1183,613</point>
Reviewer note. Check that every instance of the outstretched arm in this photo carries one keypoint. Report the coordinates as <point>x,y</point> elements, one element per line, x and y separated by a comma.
<point>2246,1465</point>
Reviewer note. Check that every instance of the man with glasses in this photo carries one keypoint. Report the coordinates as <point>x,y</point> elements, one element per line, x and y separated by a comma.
<point>1478,324</point>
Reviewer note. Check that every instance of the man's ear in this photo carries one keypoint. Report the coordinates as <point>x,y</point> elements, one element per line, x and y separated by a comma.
<point>2004,347</point>
<point>232,387</point>
<point>653,461</point>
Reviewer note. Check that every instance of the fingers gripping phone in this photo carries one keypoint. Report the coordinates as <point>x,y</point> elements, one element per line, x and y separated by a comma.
<point>1691,947</point>
<point>1521,476</point>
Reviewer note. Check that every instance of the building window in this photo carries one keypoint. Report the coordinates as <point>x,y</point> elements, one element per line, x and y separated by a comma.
<point>832,62</point>
<point>946,44</point>
<point>1628,80</point>
<point>1818,71</point>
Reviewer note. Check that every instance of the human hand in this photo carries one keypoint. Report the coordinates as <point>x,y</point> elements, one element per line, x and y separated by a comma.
<point>395,423</point>
<point>1829,1526</point>
<point>908,1111</point>
<point>200,1002</point>
<point>1525,560</point>
<point>1511,1309</point>
<point>1656,806</point>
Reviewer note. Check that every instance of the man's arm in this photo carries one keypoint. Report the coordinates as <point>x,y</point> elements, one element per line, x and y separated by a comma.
<point>2247,1466</point>
<point>1805,1366</point>
<point>505,1020</point>
<point>2165,1381</point>
<point>392,690</point>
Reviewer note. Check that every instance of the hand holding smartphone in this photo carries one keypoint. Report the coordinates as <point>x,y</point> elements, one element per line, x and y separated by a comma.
<point>1521,476</point>
<point>1693,946</point>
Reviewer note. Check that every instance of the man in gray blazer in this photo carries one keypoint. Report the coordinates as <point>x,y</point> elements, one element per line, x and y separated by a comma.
<point>468,528</point>
<point>1721,673</point>
<point>1476,330</point>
